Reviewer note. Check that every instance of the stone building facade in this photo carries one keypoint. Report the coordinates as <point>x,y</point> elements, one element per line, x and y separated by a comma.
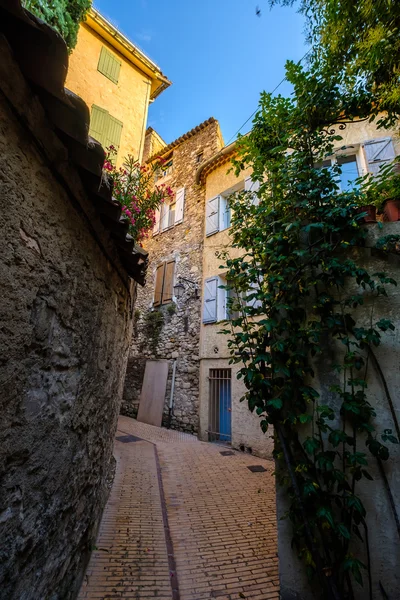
<point>66,270</point>
<point>222,416</point>
<point>364,149</point>
<point>117,81</point>
<point>176,251</point>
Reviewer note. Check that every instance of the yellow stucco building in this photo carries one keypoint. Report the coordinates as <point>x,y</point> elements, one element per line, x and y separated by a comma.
<point>117,81</point>
<point>222,416</point>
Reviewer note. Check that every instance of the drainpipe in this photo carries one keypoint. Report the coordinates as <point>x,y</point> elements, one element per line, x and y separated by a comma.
<point>171,399</point>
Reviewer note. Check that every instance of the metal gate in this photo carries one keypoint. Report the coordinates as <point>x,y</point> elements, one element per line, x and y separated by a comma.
<point>220,408</point>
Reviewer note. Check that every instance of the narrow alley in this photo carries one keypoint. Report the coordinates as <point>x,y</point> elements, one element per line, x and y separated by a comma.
<point>185,520</point>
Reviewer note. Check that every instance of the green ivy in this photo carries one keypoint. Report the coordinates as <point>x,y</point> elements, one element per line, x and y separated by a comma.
<point>153,324</point>
<point>64,15</point>
<point>298,268</point>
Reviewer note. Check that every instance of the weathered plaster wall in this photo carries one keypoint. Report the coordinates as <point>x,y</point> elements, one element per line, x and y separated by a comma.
<point>246,432</point>
<point>65,325</point>
<point>214,352</point>
<point>127,100</point>
<point>384,542</point>
<point>179,339</point>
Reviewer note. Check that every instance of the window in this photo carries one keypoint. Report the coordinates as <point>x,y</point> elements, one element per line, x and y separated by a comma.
<point>378,153</point>
<point>252,186</point>
<point>217,301</point>
<point>350,171</point>
<point>359,159</point>
<point>199,158</point>
<point>218,210</point>
<point>218,214</point>
<point>170,213</point>
<point>104,128</point>
<point>350,167</point>
<point>109,65</point>
<point>164,170</point>
<point>164,283</point>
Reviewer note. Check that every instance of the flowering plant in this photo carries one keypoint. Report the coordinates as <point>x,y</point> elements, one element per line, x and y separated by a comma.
<point>133,188</point>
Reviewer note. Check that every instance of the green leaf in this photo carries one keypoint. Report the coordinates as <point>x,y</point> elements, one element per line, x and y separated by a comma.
<point>325,513</point>
<point>275,403</point>
<point>305,418</point>
<point>342,529</point>
<point>311,445</point>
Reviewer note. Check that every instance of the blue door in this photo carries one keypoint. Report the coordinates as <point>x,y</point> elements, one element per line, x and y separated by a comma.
<point>220,407</point>
<point>225,411</point>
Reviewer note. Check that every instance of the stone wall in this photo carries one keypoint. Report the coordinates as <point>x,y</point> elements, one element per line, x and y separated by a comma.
<point>179,337</point>
<point>383,537</point>
<point>65,326</point>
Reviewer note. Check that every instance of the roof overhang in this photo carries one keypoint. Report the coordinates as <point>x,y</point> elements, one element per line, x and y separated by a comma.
<point>117,40</point>
<point>218,159</point>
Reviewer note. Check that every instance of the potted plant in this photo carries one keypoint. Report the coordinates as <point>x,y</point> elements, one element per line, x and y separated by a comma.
<point>364,198</point>
<point>383,190</point>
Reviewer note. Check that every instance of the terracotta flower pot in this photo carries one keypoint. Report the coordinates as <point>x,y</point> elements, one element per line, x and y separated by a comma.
<point>391,210</point>
<point>370,217</point>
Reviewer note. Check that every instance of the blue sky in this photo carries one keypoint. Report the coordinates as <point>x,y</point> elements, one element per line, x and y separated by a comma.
<point>218,54</point>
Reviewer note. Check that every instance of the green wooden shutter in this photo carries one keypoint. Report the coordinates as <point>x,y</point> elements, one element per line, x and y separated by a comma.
<point>109,65</point>
<point>114,130</point>
<point>99,124</point>
<point>105,128</point>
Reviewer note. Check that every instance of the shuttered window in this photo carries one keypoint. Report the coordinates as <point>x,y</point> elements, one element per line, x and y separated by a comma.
<point>212,216</point>
<point>210,300</point>
<point>104,128</point>
<point>156,228</point>
<point>252,186</point>
<point>171,213</point>
<point>378,153</point>
<point>164,221</point>
<point>98,124</point>
<point>164,283</point>
<point>179,205</point>
<point>109,65</point>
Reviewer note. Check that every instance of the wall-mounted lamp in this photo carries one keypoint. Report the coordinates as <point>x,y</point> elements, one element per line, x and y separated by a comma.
<point>180,288</point>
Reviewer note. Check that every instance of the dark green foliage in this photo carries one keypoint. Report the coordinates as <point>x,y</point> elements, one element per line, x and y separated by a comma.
<point>153,324</point>
<point>64,15</point>
<point>299,249</point>
<point>359,39</point>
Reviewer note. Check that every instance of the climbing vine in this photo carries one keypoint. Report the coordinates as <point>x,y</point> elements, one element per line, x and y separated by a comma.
<point>303,284</point>
<point>153,324</point>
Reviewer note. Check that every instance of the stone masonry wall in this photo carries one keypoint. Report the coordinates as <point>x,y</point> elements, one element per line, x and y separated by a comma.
<point>65,326</point>
<point>179,337</point>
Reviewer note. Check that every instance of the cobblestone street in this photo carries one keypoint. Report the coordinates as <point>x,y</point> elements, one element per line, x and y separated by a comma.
<point>185,520</point>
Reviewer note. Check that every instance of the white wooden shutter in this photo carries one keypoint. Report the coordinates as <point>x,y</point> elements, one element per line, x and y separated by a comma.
<point>253,302</point>
<point>164,223</point>
<point>212,216</point>
<point>252,186</point>
<point>156,228</point>
<point>210,300</point>
<point>179,206</point>
<point>378,153</point>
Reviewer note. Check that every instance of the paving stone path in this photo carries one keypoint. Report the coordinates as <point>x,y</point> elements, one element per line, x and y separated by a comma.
<point>185,521</point>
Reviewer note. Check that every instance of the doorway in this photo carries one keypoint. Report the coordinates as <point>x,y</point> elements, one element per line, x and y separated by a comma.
<point>220,407</point>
